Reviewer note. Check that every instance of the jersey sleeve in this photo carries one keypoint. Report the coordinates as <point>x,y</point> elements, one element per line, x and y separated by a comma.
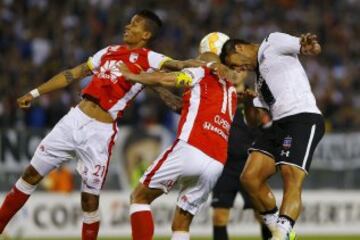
<point>95,60</point>
<point>260,103</point>
<point>196,74</point>
<point>284,43</point>
<point>156,60</point>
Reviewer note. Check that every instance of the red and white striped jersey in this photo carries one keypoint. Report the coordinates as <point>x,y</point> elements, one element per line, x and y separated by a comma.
<point>208,110</point>
<point>108,87</point>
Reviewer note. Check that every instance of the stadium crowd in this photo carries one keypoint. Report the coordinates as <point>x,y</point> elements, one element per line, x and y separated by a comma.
<point>39,38</point>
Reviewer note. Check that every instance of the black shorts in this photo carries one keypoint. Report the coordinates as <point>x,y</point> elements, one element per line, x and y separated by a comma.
<point>228,185</point>
<point>292,140</point>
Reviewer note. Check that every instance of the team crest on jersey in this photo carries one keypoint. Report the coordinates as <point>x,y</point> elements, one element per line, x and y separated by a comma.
<point>133,57</point>
<point>287,142</point>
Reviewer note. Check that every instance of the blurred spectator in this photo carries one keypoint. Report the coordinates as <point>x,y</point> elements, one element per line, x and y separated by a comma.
<point>40,38</point>
<point>59,180</point>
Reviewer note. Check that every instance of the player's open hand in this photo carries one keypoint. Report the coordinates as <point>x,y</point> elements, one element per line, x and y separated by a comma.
<point>309,44</point>
<point>24,102</point>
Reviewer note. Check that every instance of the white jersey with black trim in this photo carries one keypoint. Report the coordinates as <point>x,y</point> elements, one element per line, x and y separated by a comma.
<point>282,83</point>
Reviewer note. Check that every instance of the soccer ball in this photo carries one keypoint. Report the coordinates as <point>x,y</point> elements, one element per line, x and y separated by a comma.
<point>213,42</point>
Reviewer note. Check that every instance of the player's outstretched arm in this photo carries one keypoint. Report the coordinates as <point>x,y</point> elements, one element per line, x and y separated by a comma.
<point>59,81</point>
<point>309,44</point>
<point>178,65</point>
<point>171,79</point>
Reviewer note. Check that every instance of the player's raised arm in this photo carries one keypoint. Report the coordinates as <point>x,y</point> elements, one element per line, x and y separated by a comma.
<point>59,81</point>
<point>284,43</point>
<point>171,79</point>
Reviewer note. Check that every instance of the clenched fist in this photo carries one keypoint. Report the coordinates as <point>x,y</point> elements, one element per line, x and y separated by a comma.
<point>309,44</point>
<point>25,101</point>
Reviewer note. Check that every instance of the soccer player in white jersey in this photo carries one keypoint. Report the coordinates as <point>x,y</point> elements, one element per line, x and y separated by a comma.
<point>284,90</point>
<point>196,158</point>
<point>88,131</point>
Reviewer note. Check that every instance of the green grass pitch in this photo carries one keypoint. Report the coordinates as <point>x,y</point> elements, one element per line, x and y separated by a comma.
<point>235,238</point>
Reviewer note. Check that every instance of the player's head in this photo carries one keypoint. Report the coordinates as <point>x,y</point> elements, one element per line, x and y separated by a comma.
<point>239,54</point>
<point>143,28</point>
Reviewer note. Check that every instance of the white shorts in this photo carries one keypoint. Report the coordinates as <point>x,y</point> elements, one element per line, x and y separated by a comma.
<point>196,172</point>
<point>77,136</point>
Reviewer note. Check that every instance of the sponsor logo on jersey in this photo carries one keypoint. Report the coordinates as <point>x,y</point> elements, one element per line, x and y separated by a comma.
<point>109,70</point>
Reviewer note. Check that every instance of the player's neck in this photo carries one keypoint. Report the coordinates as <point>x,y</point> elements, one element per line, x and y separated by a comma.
<point>136,45</point>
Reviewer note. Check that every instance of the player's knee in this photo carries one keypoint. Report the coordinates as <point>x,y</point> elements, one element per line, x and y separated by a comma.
<point>31,176</point>
<point>89,202</point>
<point>249,181</point>
<point>293,178</point>
<point>220,218</point>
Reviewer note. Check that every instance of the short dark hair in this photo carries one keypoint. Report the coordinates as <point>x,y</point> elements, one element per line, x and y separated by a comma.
<point>153,22</point>
<point>229,47</point>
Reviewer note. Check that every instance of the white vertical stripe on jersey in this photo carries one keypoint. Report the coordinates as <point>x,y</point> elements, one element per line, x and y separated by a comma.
<point>312,133</point>
<point>121,104</point>
<point>192,113</point>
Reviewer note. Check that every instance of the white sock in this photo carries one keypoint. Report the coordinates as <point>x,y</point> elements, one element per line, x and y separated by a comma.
<point>270,220</point>
<point>25,187</point>
<point>138,207</point>
<point>284,228</point>
<point>91,217</point>
<point>180,235</point>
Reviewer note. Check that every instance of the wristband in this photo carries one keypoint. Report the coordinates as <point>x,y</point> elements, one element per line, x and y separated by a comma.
<point>183,79</point>
<point>35,93</point>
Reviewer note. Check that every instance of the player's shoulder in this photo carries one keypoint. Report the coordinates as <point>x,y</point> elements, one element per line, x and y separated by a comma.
<point>275,36</point>
<point>195,72</point>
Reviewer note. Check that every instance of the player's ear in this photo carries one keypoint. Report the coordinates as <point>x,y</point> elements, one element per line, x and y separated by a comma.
<point>147,35</point>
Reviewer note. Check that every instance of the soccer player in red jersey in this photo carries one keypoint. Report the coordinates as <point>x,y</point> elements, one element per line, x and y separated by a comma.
<point>87,133</point>
<point>197,156</point>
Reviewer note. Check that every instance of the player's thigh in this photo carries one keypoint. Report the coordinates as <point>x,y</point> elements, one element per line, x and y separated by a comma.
<point>195,190</point>
<point>164,172</point>
<point>258,167</point>
<point>299,141</point>
<point>93,149</point>
<point>293,177</point>
<point>56,148</point>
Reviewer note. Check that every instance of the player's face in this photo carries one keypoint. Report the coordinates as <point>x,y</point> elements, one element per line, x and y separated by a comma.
<point>242,59</point>
<point>135,31</point>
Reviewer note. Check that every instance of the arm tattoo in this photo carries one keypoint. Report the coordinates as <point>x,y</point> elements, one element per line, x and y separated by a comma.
<point>84,69</point>
<point>69,76</point>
